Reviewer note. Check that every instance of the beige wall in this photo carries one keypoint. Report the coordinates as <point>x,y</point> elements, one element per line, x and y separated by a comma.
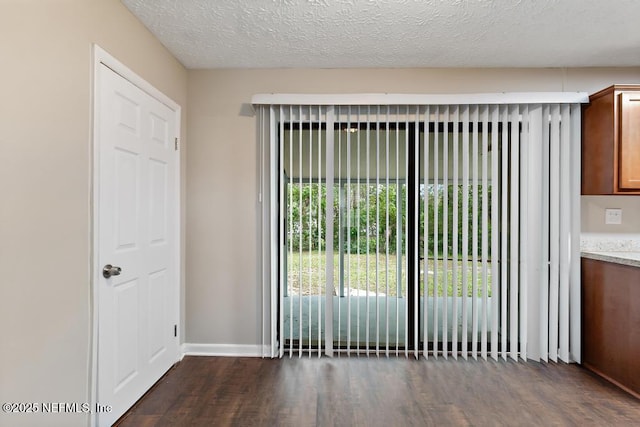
<point>593,210</point>
<point>223,295</point>
<point>45,176</point>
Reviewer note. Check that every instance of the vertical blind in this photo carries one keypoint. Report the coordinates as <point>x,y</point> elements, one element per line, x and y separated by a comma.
<point>433,229</point>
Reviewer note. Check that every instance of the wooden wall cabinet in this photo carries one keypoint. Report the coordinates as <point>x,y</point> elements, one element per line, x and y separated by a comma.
<point>611,141</point>
<point>611,322</point>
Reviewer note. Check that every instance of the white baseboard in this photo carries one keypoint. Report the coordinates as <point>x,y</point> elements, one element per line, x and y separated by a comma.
<point>225,350</point>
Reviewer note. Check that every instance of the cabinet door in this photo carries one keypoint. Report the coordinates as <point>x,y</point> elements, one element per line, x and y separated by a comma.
<point>629,140</point>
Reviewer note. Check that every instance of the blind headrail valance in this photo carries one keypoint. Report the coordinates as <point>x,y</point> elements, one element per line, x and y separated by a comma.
<point>420,99</point>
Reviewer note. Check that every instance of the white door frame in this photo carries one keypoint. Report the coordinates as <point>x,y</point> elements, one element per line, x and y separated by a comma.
<point>100,56</point>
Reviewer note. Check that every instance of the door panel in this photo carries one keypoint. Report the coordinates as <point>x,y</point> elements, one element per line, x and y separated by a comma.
<point>629,156</point>
<point>159,130</point>
<point>157,312</point>
<point>126,306</point>
<point>158,202</point>
<point>126,199</point>
<point>137,193</point>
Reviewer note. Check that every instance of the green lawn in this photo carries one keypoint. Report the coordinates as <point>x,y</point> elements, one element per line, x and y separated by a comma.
<point>361,272</point>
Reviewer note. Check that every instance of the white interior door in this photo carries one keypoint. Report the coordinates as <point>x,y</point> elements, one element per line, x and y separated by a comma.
<point>136,233</point>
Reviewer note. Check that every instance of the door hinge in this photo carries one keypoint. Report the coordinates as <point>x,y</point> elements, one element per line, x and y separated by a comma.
<point>176,142</point>
<point>175,330</point>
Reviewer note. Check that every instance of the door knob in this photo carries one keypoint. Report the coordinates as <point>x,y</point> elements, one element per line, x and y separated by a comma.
<point>110,270</point>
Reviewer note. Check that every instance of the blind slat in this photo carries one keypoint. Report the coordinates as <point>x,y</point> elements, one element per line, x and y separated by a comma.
<point>425,251</point>
<point>445,235</point>
<point>565,233</point>
<point>329,215</point>
<point>504,220</point>
<point>485,230</point>
<point>436,249</point>
<point>495,227</point>
<point>465,230</point>
<point>281,238</point>
<point>545,227</point>
<point>321,286</point>
<point>474,234</point>
<point>514,220</point>
<point>554,232</point>
<point>386,271</point>
<point>310,227</point>
<point>573,350</point>
<point>455,231</point>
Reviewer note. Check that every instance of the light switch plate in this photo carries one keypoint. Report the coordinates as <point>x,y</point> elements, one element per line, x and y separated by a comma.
<point>613,216</point>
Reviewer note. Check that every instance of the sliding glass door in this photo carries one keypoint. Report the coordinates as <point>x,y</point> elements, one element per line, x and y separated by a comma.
<point>431,230</point>
<point>416,205</point>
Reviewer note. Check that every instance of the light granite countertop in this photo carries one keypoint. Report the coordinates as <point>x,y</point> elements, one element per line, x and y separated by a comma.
<point>625,258</point>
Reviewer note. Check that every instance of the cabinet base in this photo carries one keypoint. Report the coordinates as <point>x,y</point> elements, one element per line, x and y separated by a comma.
<point>596,371</point>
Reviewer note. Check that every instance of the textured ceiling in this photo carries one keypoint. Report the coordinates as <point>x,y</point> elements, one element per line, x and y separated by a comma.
<point>395,33</point>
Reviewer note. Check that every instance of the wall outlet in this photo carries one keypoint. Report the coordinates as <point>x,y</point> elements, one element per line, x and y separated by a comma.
<point>613,216</point>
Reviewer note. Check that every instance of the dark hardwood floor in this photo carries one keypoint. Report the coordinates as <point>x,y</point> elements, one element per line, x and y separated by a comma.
<point>213,391</point>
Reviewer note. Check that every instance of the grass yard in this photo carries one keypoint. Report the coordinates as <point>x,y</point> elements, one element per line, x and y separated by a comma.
<point>378,274</point>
